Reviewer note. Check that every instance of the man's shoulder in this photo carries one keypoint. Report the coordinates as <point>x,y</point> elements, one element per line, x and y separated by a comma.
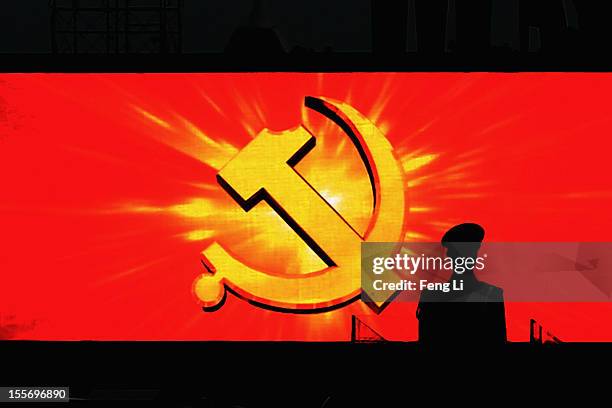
<point>483,292</point>
<point>491,292</point>
<point>432,295</point>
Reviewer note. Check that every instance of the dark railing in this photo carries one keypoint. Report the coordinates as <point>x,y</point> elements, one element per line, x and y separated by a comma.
<point>116,26</point>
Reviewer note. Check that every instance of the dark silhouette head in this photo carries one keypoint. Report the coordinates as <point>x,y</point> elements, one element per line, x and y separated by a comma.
<point>463,240</point>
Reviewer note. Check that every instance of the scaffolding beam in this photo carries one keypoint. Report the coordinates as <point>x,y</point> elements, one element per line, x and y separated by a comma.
<point>116,26</point>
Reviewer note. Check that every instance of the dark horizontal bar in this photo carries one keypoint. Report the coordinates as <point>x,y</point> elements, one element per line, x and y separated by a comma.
<point>113,32</point>
<point>129,8</point>
<point>298,62</point>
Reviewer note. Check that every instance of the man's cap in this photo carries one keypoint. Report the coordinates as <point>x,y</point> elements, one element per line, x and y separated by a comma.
<point>467,232</point>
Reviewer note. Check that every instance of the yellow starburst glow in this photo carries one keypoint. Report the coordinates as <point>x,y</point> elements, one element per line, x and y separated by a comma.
<point>151,117</point>
<point>184,136</point>
<point>199,235</point>
<point>412,163</point>
<point>333,168</point>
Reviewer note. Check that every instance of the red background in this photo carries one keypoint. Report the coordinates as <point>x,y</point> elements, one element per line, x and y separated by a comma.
<point>525,155</point>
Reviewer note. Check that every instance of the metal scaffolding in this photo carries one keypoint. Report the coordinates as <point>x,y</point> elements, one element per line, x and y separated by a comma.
<point>116,26</point>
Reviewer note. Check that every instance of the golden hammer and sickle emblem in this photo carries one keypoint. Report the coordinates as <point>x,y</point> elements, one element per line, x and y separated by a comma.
<point>263,170</point>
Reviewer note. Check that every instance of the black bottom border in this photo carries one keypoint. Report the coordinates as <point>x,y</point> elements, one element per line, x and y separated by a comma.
<point>295,374</point>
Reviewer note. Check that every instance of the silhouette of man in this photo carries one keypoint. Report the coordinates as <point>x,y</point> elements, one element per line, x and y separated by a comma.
<point>475,314</point>
<point>255,37</point>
